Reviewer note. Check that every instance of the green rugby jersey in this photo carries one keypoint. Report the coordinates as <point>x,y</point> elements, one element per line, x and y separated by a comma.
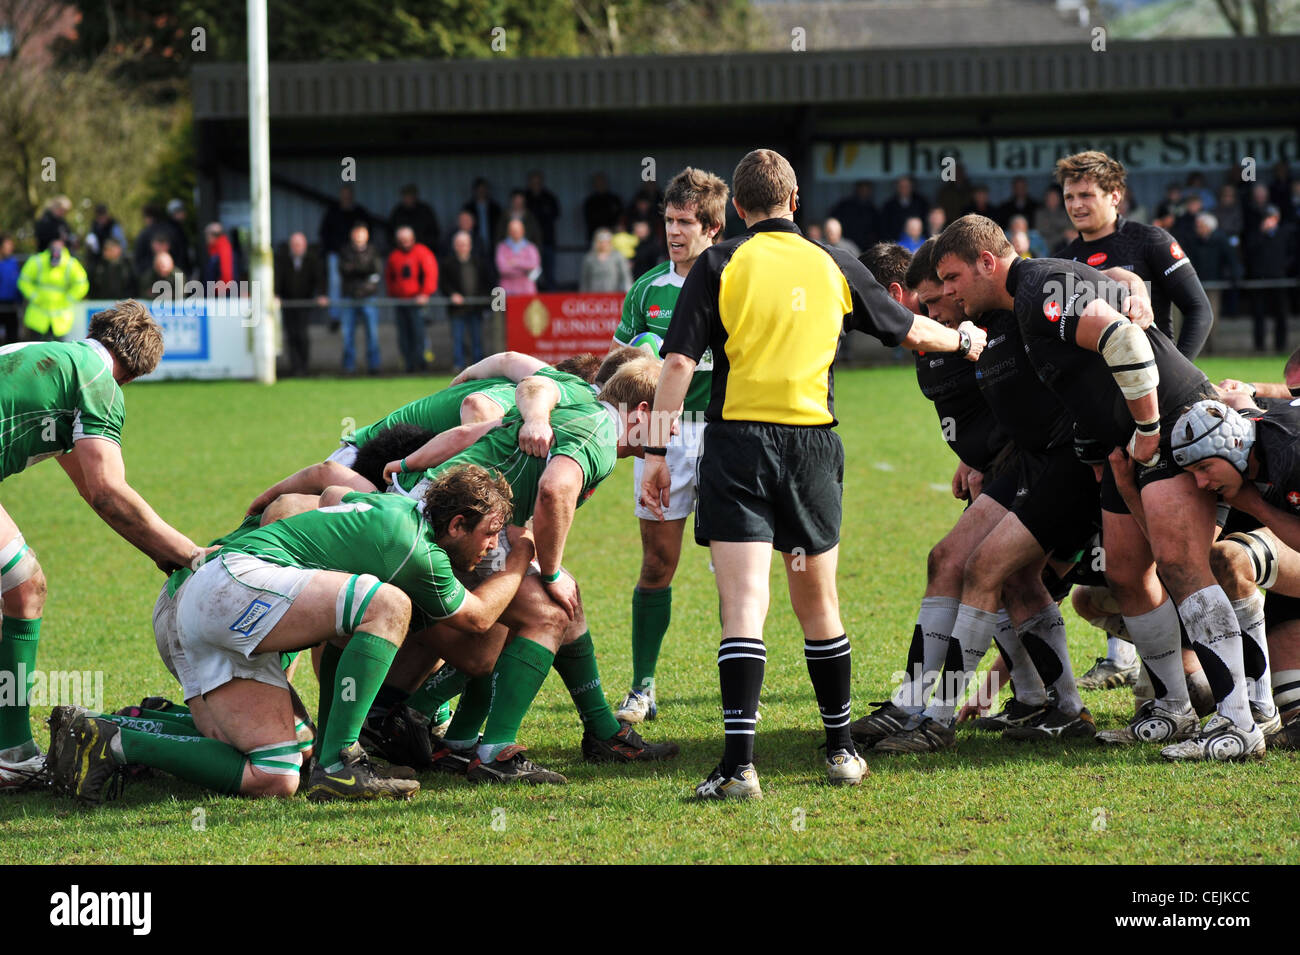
<point>251,522</point>
<point>585,432</point>
<point>648,307</point>
<point>52,394</point>
<point>440,411</point>
<point>381,534</point>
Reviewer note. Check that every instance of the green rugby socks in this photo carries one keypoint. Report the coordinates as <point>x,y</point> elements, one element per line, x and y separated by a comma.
<point>196,759</point>
<point>18,640</point>
<point>651,612</point>
<point>576,664</point>
<point>360,673</point>
<point>520,672</point>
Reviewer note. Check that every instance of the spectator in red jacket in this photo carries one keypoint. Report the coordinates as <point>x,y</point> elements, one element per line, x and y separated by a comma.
<point>412,274</point>
<point>219,266</point>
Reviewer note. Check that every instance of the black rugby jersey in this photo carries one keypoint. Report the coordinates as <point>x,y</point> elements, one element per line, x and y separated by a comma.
<point>1049,295</point>
<point>965,420</point>
<point>1155,257</point>
<point>1029,413</point>
<point>1277,451</point>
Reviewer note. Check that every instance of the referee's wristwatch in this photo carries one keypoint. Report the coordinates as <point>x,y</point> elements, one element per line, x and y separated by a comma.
<point>963,343</point>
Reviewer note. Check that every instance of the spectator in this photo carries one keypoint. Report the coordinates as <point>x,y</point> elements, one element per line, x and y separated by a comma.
<point>601,209</point>
<point>518,261</point>
<point>1228,213</point>
<point>51,282</point>
<point>1279,187</point>
<point>954,195</point>
<point>546,211</point>
<point>182,242</point>
<point>1270,254</point>
<point>649,250</point>
<point>111,277</point>
<point>517,208</point>
<point>814,232</point>
<point>153,231</point>
<point>219,263</point>
<point>103,228</point>
<point>162,270</point>
<point>414,212</point>
<point>979,202</point>
<point>335,236</point>
<point>1213,257</point>
<point>1131,208</point>
<point>464,277</point>
<point>1291,210</point>
<point>625,240</point>
<point>1252,212</point>
<point>487,212</point>
<point>935,220</point>
<point>604,269</point>
<point>1019,240</point>
<point>834,233</point>
<point>1196,187</point>
<point>412,275</point>
<point>903,205</point>
<point>10,300</point>
<point>1185,224</point>
<point>1037,247</point>
<point>1165,215</point>
<point>1051,221</point>
<point>1020,203</point>
<point>299,277</point>
<point>360,270</point>
<point>913,236</point>
<point>53,224</point>
<point>1174,199</point>
<point>858,215</point>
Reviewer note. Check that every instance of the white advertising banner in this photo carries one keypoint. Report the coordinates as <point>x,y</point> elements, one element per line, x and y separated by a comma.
<point>202,338</point>
<point>1036,155</point>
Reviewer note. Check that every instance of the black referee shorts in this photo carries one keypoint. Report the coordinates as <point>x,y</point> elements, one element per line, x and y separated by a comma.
<point>774,483</point>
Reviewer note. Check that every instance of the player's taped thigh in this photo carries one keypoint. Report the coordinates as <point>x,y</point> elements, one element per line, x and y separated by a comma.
<point>1262,551</point>
<point>18,564</point>
<point>353,599</point>
<point>277,759</point>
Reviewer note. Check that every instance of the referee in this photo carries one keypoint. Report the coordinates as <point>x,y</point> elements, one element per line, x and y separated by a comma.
<point>772,305</point>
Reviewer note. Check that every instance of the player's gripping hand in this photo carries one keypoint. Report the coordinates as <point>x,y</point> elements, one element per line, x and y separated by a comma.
<point>521,536</point>
<point>535,438</point>
<point>961,482</point>
<point>655,482</point>
<point>564,591</point>
<point>390,469</point>
<point>978,339</point>
<point>1144,449</point>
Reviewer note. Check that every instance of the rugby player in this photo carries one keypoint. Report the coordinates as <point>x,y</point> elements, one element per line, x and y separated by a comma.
<point>1093,184</point>
<point>586,436</point>
<point>1125,387</point>
<point>64,399</point>
<point>351,573</point>
<point>1047,502</point>
<point>771,470</point>
<point>695,207</point>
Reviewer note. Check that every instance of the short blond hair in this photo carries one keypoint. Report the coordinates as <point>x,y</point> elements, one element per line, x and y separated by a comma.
<point>763,180</point>
<point>634,382</point>
<point>129,332</point>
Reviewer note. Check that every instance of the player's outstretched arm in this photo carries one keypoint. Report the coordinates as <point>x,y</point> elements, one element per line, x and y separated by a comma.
<point>507,364</point>
<point>312,480</point>
<point>535,398</point>
<point>96,468</point>
<point>928,335</point>
<point>1253,389</point>
<point>557,499</point>
<point>1285,526</point>
<point>439,449</point>
<point>488,601</point>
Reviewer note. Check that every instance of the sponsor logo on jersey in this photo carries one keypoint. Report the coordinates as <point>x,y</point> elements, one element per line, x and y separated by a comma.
<point>1096,259</point>
<point>1176,250</point>
<point>994,341</point>
<point>1052,309</point>
<point>936,362</point>
<point>653,311</point>
<point>1293,498</point>
<point>248,619</point>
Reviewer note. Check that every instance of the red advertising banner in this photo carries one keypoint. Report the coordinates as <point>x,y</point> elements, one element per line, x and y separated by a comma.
<point>559,324</point>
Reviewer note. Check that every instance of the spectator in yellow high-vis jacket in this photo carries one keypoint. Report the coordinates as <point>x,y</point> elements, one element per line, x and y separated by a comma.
<point>51,282</point>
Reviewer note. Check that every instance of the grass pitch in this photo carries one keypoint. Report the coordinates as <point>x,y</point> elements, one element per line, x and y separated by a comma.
<point>200,452</point>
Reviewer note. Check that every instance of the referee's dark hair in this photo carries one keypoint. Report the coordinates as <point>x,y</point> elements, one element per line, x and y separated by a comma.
<point>763,181</point>
<point>922,268</point>
<point>888,263</point>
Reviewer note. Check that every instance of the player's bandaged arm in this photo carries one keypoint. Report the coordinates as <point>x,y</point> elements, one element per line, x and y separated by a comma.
<point>1285,526</point>
<point>95,466</point>
<point>534,399</point>
<point>1127,351</point>
<point>441,448</point>
<point>507,364</point>
<point>488,601</point>
<point>312,480</point>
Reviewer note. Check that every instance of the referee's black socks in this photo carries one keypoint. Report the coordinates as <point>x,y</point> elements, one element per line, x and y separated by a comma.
<point>829,668</point>
<point>741,661</point>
